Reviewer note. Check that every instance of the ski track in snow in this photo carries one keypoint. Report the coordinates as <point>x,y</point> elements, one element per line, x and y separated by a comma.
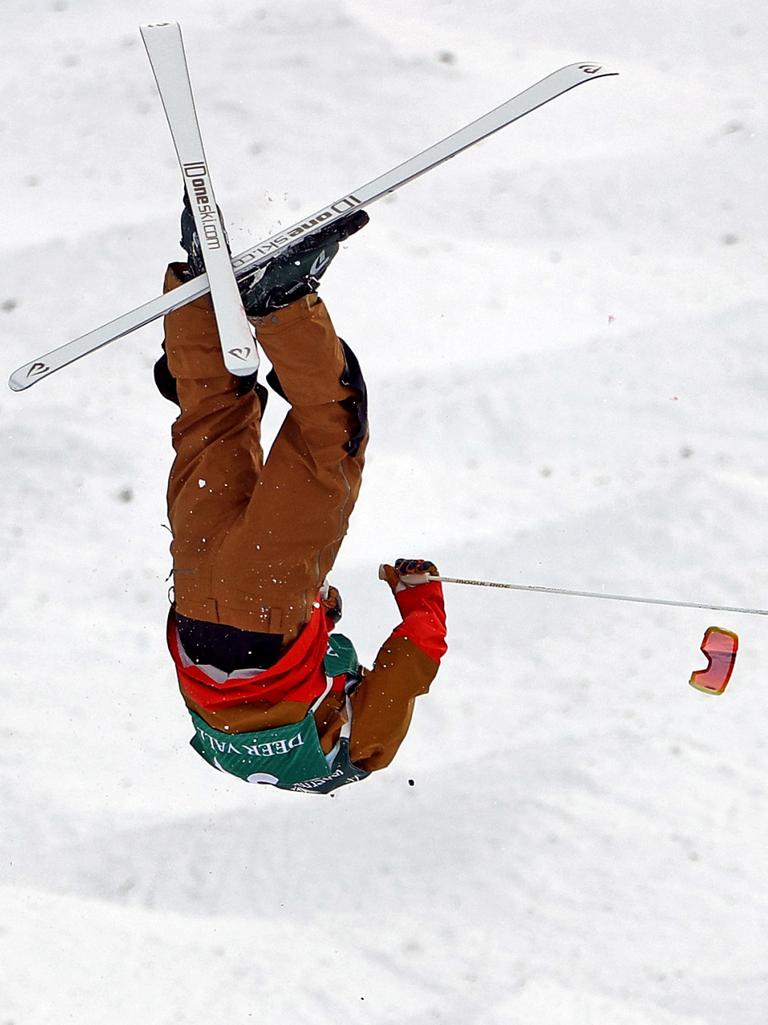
<point>563,332</point>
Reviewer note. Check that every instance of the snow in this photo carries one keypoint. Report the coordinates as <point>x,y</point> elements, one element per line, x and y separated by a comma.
<point>563,332</point>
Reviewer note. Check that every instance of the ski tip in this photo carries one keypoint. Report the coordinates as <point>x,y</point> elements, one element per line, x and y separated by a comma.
<point>146,30</point>
<point>15,383</point>
<point>243,369</point>
<point>27,375</point>
<point>592,69</point>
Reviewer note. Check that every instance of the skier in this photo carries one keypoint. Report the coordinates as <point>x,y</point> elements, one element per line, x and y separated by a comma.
<point>275,696</point>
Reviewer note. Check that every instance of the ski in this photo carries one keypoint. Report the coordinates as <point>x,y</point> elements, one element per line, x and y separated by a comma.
<point>165,49</point>
<point>549,88</point>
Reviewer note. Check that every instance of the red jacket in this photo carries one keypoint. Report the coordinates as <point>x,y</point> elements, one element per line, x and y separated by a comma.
<point>298,676</point>
<point>382,704</point>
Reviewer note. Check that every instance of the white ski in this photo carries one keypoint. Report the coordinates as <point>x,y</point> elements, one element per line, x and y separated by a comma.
<point>537,95</point>
<point>165,50</point>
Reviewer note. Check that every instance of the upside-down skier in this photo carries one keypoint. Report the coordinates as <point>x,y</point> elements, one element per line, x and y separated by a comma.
<point>275,695</point>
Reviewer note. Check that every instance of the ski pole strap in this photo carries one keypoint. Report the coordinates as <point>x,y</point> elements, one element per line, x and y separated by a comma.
<point>417,579</point>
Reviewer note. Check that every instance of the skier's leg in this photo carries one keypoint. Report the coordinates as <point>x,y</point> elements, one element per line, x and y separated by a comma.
<point>218,452</point>
<point>276,558</point>
<point>325,432</point>
<point>271,543</point>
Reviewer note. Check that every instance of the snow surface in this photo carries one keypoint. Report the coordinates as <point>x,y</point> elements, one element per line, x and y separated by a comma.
<point>564,336</point>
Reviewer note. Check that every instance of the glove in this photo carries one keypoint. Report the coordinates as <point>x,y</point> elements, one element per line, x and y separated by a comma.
<point>297,271</point>
<point>407,573</point>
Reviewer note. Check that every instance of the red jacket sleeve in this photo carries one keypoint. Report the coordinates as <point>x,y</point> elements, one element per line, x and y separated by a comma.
<point>423,612</point>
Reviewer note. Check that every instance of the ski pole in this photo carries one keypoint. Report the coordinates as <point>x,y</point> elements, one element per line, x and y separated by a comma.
<point>419,578</point>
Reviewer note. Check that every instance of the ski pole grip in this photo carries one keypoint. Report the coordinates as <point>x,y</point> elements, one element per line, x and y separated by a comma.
<point>411,579</point>
<point>408,579</point>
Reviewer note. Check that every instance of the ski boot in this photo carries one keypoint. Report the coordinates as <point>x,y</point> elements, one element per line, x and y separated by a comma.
<point>190,243</point>
<point>297,272</point>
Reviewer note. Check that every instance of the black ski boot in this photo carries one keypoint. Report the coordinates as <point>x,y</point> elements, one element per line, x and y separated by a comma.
<point>190,243</point>
<point>297,271</point>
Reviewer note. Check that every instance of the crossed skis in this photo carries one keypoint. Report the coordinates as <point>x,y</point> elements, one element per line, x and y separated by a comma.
<point>166,53</point>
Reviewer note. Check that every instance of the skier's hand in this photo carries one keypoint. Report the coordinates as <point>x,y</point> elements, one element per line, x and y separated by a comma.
<point>407,573</point>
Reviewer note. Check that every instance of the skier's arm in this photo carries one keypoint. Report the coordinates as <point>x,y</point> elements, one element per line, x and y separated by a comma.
<point>405,667</point>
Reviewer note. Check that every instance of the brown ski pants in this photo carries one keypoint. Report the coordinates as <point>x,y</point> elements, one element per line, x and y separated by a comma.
<point>253,540</point>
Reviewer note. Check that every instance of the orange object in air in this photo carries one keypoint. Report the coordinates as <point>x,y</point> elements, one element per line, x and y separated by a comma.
<point>720,647</point>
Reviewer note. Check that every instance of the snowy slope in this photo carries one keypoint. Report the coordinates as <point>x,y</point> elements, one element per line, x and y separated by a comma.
<point>564,336</point>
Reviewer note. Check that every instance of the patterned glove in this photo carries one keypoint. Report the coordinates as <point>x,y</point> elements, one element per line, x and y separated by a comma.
<point>407,573</point>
